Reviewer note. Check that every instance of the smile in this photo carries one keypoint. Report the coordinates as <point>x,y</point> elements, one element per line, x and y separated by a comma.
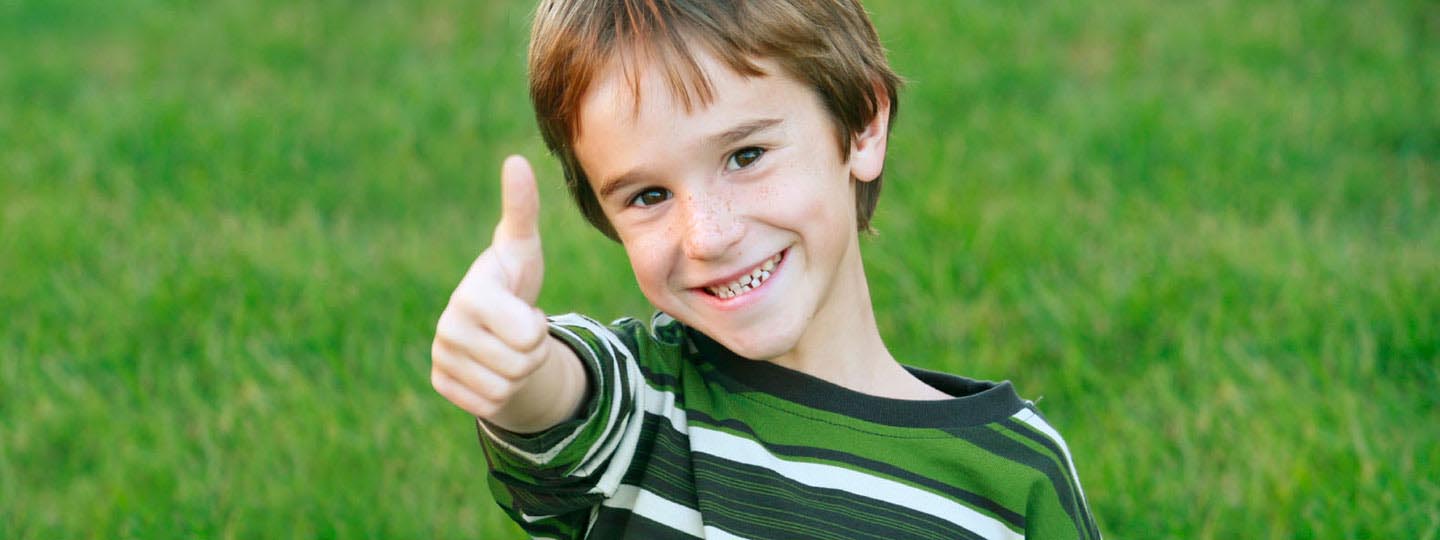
<point>748,282</point>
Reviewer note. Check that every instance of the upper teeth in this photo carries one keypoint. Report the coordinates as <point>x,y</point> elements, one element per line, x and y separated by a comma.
<point>747,282</point>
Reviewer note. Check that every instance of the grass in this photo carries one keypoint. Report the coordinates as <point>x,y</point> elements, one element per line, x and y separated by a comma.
<point>1205,235</point>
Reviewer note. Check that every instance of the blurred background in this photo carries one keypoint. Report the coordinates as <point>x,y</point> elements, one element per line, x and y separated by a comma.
<point>1205,236</point>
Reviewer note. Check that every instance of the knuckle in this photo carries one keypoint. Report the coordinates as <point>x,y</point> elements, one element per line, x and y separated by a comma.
<point>467,298</point>
<point>444,330</point>
<point>463,290</point>
<point>531,336</point>
<point>499,391</point>
<point>458,297</point>
<point>449,328</point>
<point>485,409</point>
<point>439,381</point>
<point>512,371</point>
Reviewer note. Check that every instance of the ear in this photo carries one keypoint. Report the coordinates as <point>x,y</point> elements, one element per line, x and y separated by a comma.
<point>867,148</point>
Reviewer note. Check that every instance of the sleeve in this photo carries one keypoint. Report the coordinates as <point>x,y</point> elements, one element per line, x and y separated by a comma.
<point>1057,507</point>
<point>550,482</point>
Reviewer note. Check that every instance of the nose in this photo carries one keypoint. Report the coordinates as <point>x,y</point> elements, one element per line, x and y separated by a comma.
<point>711,226</point>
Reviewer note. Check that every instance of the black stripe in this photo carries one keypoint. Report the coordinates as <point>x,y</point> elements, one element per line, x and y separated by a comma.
<point>640,342</point>
<point>1076,509</point>
<point>1010,517</point>
<point>663,465</point>
<point>1013,450</point>
<point>547,497</point>
<point>974,402</point>
<point>622,523</point>
<point>665,381</point>
<point>563,527</point>
<point>751,501</point>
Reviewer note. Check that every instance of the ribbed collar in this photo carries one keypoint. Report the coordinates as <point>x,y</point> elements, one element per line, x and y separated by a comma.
<point>974,402</point>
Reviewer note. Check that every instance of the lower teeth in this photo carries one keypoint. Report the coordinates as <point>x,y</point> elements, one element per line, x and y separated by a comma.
<point>752,285</point>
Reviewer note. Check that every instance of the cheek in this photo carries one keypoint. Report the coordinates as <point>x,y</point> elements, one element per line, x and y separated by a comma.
<point>813,196</point>
<point>648,262</point>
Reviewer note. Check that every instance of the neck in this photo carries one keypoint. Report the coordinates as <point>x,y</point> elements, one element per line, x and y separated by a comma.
<point>842,343</point>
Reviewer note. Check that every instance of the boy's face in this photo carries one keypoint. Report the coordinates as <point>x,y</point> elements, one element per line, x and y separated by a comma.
<point>752,184</point>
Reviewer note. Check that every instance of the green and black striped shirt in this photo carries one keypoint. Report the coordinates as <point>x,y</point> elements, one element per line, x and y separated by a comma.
<point>680,438</point>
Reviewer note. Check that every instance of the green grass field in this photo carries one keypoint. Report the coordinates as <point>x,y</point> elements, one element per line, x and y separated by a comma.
<point>1205,235</point>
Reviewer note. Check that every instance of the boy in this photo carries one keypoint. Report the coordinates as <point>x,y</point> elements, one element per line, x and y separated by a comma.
<point>735,149</point>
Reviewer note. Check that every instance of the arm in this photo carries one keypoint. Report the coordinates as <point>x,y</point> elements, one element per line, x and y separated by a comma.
<point>492,355</point>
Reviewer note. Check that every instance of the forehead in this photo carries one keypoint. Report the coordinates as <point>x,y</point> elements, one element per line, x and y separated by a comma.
<point>633,90</point>
<point>634,116</point>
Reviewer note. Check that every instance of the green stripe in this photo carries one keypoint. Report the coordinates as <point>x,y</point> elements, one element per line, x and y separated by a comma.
<point>933,465</point>
<point>989,468</point>
<point>1066,488</point>
<point>749,499</point>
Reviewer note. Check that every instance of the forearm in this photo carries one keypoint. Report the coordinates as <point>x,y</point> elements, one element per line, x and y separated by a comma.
<point>549,396</point>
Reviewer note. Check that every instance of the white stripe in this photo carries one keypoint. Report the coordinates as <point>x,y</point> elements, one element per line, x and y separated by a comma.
<point>649,400</point>
<point>597,453</point>
<point>545,457</point>
<point>662,510</point>
<point>538,459</point>
<point>659,509</point>
<point>662,403</point>
<point>660,319</point>
<point>622,451</point>
<point>1029,417</point>
<point>619,448</point>
<point>739,449</point>
<point>532,519</point>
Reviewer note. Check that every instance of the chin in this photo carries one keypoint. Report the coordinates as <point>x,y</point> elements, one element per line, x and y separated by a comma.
<point>761,339</point>
<point>755,347</point>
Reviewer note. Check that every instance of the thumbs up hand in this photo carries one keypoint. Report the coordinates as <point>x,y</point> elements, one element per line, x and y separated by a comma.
<point>492,354</point>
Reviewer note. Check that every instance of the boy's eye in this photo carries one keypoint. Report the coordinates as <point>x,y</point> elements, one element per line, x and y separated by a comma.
<point>743,158</point>
<point>650,196</point>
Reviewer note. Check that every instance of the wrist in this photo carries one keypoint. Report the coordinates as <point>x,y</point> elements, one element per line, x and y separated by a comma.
<point>553,394</point>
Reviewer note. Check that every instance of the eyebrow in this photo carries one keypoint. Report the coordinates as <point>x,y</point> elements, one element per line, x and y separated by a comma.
<point>730,136</point>
<point>724,138</point>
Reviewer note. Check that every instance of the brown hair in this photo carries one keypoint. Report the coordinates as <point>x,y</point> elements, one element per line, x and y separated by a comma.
<point>828,45</point>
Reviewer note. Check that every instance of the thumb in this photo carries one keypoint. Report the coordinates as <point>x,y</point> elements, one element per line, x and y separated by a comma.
<point>517,236</point>
<point>520,203</point>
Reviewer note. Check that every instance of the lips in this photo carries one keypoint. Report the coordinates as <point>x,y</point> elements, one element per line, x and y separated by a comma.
<point>746,282</point>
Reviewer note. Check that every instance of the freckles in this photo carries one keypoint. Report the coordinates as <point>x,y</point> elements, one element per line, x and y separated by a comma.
<point>766,193</point>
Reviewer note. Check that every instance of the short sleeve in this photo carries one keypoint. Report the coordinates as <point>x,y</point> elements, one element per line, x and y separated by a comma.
<point>1056,506</point>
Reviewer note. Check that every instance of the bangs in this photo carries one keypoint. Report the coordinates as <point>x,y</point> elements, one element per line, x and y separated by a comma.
<point>635,35</point>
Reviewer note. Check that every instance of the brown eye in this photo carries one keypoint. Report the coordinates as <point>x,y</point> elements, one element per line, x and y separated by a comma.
<point>650,196</point>
<point>744,157</point>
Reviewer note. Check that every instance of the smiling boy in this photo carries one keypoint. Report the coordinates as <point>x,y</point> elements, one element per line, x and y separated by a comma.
<point>735,150</point>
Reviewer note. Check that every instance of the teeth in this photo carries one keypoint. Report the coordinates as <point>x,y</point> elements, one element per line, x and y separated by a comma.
<point>747,282</point>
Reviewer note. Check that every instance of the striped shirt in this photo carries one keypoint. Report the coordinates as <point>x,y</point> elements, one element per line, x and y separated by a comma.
<point>680,438</point>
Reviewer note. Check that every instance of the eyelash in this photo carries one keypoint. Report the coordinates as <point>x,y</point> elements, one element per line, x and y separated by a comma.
<point>758,152</point>
<point>636,200</point>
